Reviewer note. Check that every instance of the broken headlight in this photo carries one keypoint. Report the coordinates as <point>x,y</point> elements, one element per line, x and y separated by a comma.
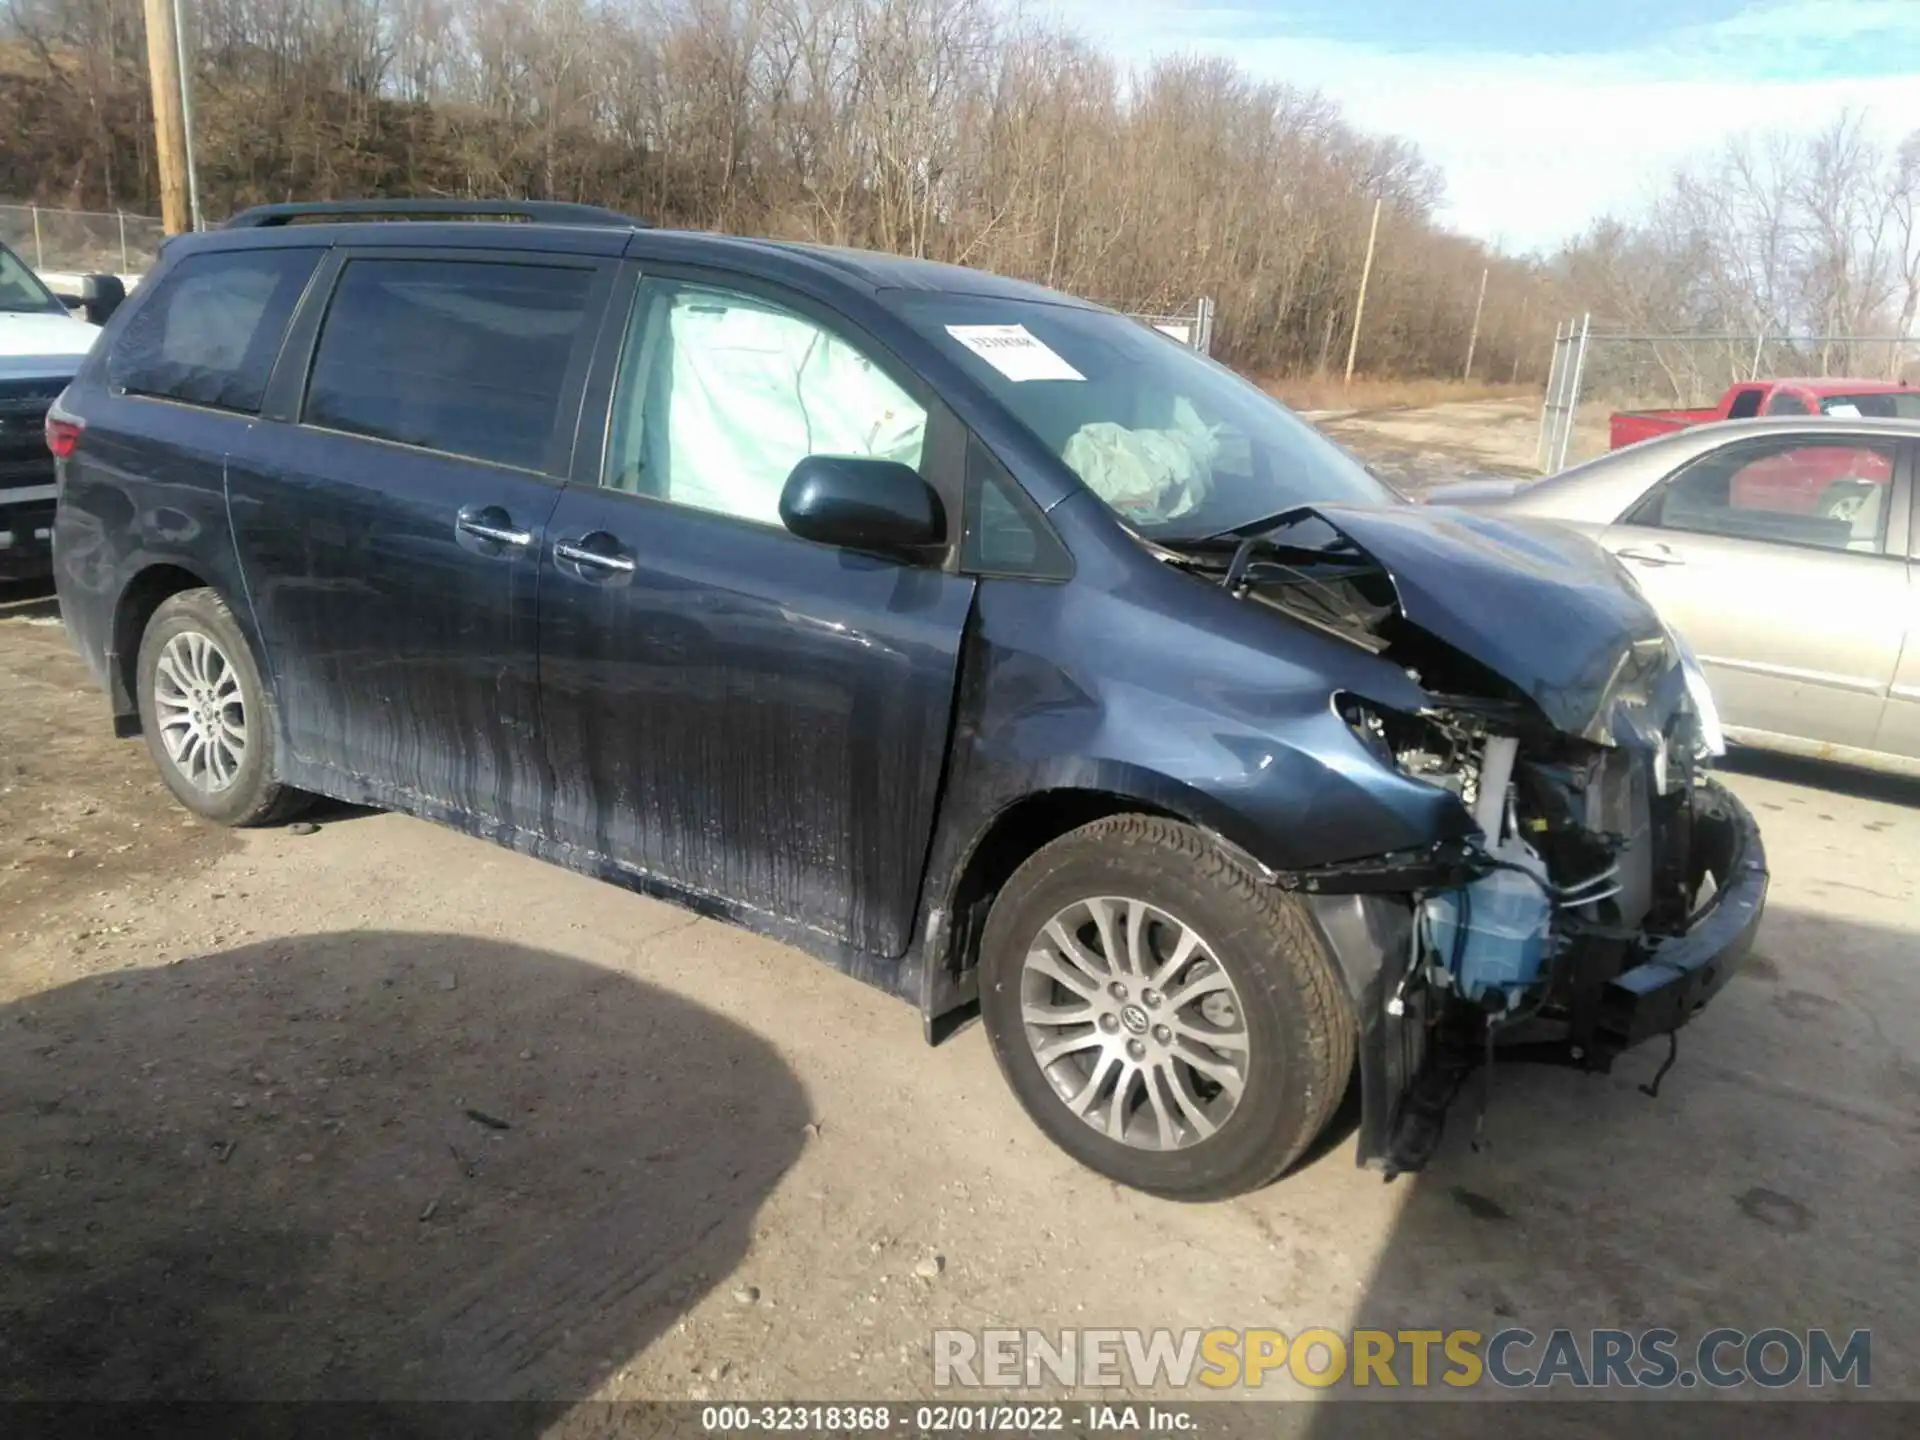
<point>1711,739</point>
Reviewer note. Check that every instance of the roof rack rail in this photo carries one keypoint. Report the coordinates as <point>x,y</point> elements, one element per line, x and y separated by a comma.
<point>538,212</point>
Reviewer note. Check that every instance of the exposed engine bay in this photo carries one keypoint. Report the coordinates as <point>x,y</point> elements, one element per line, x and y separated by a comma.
<point>1566,923</point>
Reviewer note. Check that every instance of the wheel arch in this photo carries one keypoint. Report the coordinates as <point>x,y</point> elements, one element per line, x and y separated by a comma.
<point>1004,841</point>
<point>146,592</point>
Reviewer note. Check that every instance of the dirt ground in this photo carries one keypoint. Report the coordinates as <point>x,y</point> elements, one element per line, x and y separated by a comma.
<point>1415,448</point>
<point>382,1111</point>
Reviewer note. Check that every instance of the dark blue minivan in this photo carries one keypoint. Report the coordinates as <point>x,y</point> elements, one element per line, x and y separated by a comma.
<point>986,644</point>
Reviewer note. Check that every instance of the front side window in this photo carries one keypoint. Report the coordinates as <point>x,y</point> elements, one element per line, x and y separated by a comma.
<point>1785,402</point>
<point>1874,405</point>
<point>722,393</point>
<point>465,357</point>
<point>1176,446</point>
<point>210,332</point>
<point>21,292</point>
<point>1830,495</point>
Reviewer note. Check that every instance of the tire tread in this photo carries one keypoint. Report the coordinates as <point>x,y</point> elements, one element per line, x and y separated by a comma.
<point>1304,979</point>
<point>273,803</point>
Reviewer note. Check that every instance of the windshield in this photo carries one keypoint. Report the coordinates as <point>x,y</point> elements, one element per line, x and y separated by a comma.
<point>20,288</point>
<point>1178,447</point>
<point>1877,405</point>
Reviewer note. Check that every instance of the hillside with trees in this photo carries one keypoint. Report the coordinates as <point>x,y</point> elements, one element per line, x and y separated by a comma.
<point>931,127</point>
<point>951,129</point>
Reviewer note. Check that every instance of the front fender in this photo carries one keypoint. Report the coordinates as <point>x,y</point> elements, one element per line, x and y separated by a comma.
<point>1231,727</point>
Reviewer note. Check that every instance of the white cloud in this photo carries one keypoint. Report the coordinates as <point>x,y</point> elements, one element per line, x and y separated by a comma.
<point>1533,150</point>
<point>1535,147</point>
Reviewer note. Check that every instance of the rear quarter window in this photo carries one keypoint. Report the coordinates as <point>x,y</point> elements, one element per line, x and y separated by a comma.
<point>211,330</point>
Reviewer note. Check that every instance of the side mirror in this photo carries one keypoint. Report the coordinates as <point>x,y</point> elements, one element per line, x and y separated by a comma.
<point>878,506</point>
<point>100,296</point>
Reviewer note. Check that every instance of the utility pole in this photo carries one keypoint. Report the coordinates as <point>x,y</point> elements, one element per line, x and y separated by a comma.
<point>1360,305</point>
<point>186,114</point>
<point>1473,338</point>
<point>1520,339</point>
<point>169,116</point>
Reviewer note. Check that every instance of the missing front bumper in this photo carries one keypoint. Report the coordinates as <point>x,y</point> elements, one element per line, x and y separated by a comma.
<point>1416,1049</point>
<point>1679,974</point>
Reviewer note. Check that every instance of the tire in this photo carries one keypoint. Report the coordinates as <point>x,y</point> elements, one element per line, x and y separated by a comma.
<point>198,687</point>
<point>1844,499</point>
<point>1291,1054</point>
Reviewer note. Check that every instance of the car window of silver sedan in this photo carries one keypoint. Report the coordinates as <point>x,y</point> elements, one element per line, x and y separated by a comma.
<point>1827,494</point>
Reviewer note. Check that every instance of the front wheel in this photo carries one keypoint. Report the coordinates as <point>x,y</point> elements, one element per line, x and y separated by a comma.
<point>206,716</point>
<point>1166,1017</point>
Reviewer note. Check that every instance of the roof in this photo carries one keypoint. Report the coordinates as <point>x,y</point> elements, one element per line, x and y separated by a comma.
<point>584,230</point>
<point>1821,427</point>
<point>873,269</point>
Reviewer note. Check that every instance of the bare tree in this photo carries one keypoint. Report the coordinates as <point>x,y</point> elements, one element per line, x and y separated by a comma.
<point>958,130</point>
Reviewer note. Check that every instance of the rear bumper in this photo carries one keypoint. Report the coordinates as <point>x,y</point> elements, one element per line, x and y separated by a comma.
<point>1680,973</point>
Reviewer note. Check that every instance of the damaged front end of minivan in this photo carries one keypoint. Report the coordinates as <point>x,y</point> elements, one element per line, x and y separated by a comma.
<point>1605,889</point>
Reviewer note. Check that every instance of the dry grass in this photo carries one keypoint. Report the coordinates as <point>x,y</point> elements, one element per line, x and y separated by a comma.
<point>1368,392</point>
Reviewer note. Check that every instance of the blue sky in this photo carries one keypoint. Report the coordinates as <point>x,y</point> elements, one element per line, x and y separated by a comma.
<point>1547,113</point>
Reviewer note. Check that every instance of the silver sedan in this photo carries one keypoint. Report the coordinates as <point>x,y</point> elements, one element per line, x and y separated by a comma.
<point>1787,553</point>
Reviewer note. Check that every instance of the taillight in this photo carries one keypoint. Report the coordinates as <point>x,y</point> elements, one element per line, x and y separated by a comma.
<point>63,436</point>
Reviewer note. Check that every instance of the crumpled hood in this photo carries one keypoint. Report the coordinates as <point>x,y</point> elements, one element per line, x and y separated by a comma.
<point>25,338</point>
<point>1544,607</point>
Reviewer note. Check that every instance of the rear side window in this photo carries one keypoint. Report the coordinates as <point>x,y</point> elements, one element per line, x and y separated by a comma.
<point>1746,404</point>
<point>211,330</point>
<point>464,357</point>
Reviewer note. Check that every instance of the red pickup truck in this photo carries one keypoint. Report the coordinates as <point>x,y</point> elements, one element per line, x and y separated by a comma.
<point>1879,398</point>
<point>1833,480</point>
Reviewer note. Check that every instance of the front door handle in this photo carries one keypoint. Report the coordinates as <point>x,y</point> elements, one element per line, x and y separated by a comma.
<point>490,522</point>
<point>1651,555</point>
<point>579,553</point>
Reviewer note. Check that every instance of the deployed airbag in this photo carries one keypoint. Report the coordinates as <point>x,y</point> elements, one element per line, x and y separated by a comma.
<point>755,390</point>
<point>1147,475</point>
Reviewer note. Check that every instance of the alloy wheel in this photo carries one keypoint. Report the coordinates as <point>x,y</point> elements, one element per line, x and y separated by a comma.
<point>1135,1023</point>
<point>201,710</point>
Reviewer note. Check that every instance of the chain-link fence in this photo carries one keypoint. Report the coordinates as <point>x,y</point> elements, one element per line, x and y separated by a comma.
<point>1598,370</point>
<point>1193,329</point>
<point>81,241</point>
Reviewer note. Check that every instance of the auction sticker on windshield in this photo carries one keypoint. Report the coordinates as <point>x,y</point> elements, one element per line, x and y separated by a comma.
<point>1014,351</point>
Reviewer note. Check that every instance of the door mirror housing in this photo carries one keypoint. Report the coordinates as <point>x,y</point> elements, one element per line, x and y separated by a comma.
<point>880,507</point>
<point>100,296</point>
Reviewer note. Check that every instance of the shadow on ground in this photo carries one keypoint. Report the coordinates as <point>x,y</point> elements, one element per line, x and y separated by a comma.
<point>1774,1182</point>
<point>28,600</point>
<point>370,1166</point>
<point>1823,775</point>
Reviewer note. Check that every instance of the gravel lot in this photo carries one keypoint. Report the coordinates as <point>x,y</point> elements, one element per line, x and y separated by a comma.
<point>383,1111</point>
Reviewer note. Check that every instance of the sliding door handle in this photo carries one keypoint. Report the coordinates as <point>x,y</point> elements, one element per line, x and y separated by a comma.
<point>490,522</point>
<point>578,553</point>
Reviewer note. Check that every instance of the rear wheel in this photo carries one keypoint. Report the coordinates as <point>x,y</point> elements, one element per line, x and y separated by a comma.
<point>1163,1015</point>
<point>205,714</point>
